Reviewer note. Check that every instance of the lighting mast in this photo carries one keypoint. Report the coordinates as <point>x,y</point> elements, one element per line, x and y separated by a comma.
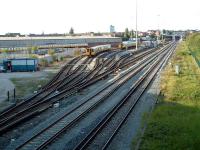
<point>136,32</point>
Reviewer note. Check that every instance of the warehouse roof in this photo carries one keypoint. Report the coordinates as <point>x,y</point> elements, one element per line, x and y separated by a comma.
<point>58,37</point>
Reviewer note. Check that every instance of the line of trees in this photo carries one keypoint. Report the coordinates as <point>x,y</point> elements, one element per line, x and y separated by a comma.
<point>71,31</point>
<point>129,34</point>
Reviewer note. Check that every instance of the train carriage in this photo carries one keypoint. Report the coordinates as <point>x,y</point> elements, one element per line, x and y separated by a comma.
<point>127,44</point>
<point>96,49</point>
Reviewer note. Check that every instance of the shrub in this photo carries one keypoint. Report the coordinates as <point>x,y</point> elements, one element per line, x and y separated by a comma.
<point>43,62</point>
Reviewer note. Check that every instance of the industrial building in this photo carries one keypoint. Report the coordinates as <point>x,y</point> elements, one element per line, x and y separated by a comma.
<point>112,29</point>
<point>21,42</point>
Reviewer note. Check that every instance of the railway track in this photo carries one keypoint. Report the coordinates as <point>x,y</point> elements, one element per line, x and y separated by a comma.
<point>65,70</point>
<point>31,101</point>
<point>137,96</point>
<point>70,76</point>
<point>19,109</point>
<point>56,128</point>
<point>22,108</point>
<point>104,132</point>
<point>46,103</point>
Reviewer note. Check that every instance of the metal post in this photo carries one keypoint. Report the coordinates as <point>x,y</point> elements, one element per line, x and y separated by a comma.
<point>158,26</point>
<point>14,95</point>
<point>162,39</point>
<point>136,32</point>
<point>8,94</point>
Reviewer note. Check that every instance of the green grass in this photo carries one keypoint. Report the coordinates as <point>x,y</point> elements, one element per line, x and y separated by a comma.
<point>197,53</point>
<point>193,42</point>
<point>26,86</point>
<point>175,122</point>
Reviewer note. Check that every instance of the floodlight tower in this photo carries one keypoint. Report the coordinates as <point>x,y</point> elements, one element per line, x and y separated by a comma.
<point>158,26</point>
<point>136,31</point>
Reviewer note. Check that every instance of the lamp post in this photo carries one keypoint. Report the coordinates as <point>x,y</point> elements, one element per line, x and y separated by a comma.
<point>136,32</point>
<point>158,26</point>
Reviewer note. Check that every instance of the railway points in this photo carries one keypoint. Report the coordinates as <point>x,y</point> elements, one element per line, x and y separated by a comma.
<point>76,95</point>
<point>99,75</point>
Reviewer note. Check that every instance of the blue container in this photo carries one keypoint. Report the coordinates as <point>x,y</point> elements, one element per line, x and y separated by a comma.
<point>21,65</point>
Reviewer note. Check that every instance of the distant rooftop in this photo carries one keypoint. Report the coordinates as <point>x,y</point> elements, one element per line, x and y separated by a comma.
<point>55,37</point>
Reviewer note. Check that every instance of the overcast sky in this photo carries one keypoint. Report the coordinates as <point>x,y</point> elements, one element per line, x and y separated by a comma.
<point>57,16</point>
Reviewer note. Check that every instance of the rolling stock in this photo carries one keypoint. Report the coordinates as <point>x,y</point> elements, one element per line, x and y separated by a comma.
<point>127,44</point>
<point>97,49</point>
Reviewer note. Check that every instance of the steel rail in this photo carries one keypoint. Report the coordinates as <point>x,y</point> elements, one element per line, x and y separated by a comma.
<point>92,134</point>
<point>97,103</point>
<point>36,111</point>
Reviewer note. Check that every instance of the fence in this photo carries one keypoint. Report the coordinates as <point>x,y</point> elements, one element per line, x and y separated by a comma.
<point>11,96</point>
<point>195,58</point>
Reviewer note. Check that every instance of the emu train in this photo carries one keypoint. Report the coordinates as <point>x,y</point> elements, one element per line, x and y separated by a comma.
<point>97,49</point>
<point>127,44</point>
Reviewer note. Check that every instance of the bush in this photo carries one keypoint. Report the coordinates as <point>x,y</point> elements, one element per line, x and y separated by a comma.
<point>5,51</point>
<point>43,62</point>
<point>51,52</point>
<point>61,58</point>
<point>77,53</point>
<point>33,56</point>
<point>54,58</point>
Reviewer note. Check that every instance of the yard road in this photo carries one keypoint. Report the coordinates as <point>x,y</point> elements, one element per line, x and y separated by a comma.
<point>5,85</point>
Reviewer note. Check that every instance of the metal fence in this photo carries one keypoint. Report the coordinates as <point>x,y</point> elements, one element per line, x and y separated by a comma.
<point>195,57</point>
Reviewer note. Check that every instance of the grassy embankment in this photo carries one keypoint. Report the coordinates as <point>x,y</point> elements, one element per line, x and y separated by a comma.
<point>26,86</point>
<point>193,42</point>
<point>175,122</point>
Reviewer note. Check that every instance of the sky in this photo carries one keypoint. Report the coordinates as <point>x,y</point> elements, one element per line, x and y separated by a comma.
<point>58,16</point>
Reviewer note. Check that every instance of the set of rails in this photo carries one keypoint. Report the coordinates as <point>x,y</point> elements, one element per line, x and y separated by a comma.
<point>25,109</point>
<point>105,131</point>
<point>69,81</point>
<point>50,133</point>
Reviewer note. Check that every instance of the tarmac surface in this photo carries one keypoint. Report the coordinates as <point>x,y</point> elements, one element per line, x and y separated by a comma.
<point>7,85</point>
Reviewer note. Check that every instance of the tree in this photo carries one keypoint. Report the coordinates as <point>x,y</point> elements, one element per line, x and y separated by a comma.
<point>126,33</point>
<point>43,62</point>
<point>71,31</point>
<point>5,51</point>
<point>29,50</point>
<point>77,52</point>
<point>34,48</point>
<point>131,33</point>
<point>164,31</point>
<point>51,52</point>
<point>153,36</point>
<point>170,32</point>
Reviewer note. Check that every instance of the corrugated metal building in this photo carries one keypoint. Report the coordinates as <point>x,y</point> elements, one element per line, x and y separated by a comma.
<point>20,42</point>
<point>21,65</point>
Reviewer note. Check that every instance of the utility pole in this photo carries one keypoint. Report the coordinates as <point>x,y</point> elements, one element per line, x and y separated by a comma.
<point>162,38</point>
<point>158,26</point>
<point>136,31</point>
